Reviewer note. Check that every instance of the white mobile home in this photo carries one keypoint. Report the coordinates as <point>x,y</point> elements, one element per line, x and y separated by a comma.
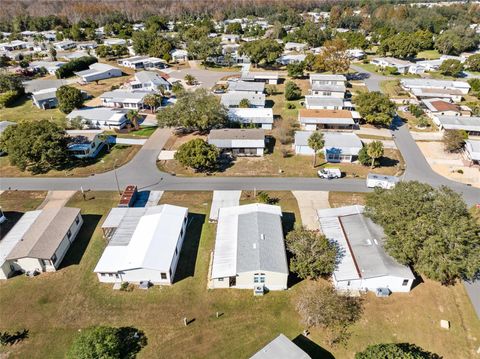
<point>245,86</point>
<point>249,248</point>
<point>402,66</point>
<point>150,81</point>
<point>65,45</point>
<point>471,125</point>
<point>99,71</point>
<point>270,78</point>
<point>325,103</point>
<point>124,99</point>
<point>100,117</point>
<point>39,241</point>
<point>143,62</point>
<point>322,90</point>
<point>262,117</point>
<point>239,142</point>
<point>321,79</point>
<point>144,244</point>
<point>472,150</point>
<point>233,99</point>
<point>312,120</point>
<point>339,147</point>
<point>364,265</point>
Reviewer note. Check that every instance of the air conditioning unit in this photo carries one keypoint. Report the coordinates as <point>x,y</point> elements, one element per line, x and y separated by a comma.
<point>259,290</point>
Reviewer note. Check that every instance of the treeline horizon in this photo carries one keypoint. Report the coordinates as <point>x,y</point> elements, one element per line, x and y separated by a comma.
<point>101,11</point>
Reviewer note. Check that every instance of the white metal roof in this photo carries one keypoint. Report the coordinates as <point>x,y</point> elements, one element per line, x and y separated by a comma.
<point>249,238</point>
<point>16,234</point>
<point>253,114</point>
<point>222,199</point>
<point>348,143</point>
<point>152,244</point>
<point>473,148</point>
<point>459,122</point>
<point>362,243</point>
<point>281,348</point>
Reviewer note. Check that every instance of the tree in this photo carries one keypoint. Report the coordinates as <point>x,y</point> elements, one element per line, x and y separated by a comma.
<point>400,45</point>
<point>265,51</point>
<point>316,143</point>
<point>333,57</point>
<point>295,70</point>
<point>376,108</point>
<point>133,116</point>
<point>190,79</point>
<point>364,158</point>
<point>454,140</point>
<point>198,110</point>
<point>69,98</point>
<point>107,343</point>
<point>456,40</point>
<point>313,254</point>
<point>319,305</point>
<point>292,91</point>
<point>53,53</point>
<point>375,151</point>
<point>451,67</point>
<point>428,228</point>
<point>204,49</point>
<point>473,63</point>
<point>234,28</point>
<point>244,103</point>
<point>198,154</point>
<point>395,351</point>
<point>152,101</point>
<point>35,146</point>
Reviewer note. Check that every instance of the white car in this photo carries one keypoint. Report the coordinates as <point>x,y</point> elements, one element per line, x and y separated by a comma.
<point>329,173</point>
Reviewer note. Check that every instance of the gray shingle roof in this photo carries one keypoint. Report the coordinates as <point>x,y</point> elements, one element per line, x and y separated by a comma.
<point>45,234</point>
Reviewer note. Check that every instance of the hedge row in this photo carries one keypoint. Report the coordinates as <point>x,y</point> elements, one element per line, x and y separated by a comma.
<point>82,63</point>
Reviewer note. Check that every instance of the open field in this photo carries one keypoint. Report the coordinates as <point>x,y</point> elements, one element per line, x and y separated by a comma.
<point>24,109</point>
<point>102,163</point>
<point>55,306</point>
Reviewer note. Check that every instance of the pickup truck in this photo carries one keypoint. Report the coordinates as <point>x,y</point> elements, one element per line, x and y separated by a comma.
<point>329,173</point>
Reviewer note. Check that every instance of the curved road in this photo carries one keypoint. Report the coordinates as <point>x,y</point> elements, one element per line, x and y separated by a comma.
<point>142,171</point>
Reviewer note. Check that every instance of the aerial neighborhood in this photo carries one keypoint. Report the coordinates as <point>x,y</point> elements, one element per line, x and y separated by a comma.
<point>251,179</point>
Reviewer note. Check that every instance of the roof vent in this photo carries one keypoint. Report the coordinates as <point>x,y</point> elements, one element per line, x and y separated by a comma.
<point>254,245</point>
<point>375,241</point>
<point>262,236</point>
<point>369,242</point>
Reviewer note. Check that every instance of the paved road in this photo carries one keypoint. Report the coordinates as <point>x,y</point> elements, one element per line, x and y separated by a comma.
<point>372,80</point>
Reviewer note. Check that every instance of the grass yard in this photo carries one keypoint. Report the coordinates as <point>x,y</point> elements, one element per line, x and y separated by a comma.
<point>55,306</point>
<point>413,121</point>
<point>103,163</point>
<point>428,55</point>
<point>393,89</point>
<point>142,132</point>
<point>15,203</point>
<point>24,109</point>
<point>103,85</point>
<point>340,199</point>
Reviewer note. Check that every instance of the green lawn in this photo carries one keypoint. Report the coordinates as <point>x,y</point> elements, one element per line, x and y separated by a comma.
<point>428,55</point>
<point>24,109</point>
<point>55,306</point>
<point>142,132</point>
<point>118,155</point>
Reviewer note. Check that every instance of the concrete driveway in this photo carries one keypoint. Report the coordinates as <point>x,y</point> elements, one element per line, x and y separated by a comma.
<point>55,199</point>
<point>308,203</point>
<point>223,199</point>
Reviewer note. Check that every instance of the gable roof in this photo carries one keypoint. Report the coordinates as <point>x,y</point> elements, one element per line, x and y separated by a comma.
<point>437,105</point>
<point>249,238</point>
<point>150,76</point>
<point>145,237</point>
<point>99,114</point>
<point>280,348</point>
<point>234,98</point>
<point>362,243</point>
<point>45,233</point>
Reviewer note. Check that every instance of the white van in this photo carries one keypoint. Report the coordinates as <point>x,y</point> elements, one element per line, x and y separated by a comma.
<point>381,181</point>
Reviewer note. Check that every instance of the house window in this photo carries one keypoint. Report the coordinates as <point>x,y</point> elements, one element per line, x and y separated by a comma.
<point>163,275</point>
<point>220,279</point>
<point>110,274</point>
<point>348,284</point>
<point>77,219</point>
<point>405,282</point>
<point>46,262</point>
<point>103,274</point>
<point>69,234</point>
<point>54,258</point>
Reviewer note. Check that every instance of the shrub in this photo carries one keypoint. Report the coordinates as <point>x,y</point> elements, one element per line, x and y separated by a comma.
<point>198,154</point>
<point>82,63</point>
<point>365,159</point>
<point>290,106</point>
<point>292,91</point>
<point>7,98</point>
<point>415,110</point>
<point>453,140</point>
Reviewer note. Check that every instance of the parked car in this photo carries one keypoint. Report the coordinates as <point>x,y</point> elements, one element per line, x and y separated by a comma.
<point>329,173</point>
<point>381,181</point>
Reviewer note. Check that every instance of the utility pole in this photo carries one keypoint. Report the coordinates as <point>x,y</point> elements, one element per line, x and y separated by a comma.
<point>116,177</point>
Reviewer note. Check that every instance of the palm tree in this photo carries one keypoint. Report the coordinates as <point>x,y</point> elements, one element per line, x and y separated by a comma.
<point>316,143</point>
<point>190,79</point>
<point>133,117</point>
<point>375,151</point>
<point>152,101</point>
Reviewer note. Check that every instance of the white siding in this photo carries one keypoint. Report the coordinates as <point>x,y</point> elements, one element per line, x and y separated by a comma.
<point>371,284</point>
